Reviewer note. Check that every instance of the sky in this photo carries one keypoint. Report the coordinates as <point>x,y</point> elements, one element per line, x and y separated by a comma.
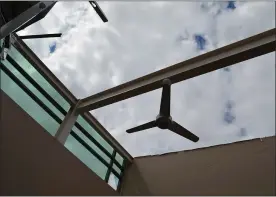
<point>224,106</point>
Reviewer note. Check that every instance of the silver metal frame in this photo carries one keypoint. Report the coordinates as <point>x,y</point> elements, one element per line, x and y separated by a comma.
<point>24,17</point>
<point>246,49</point>
<point>67,124</point>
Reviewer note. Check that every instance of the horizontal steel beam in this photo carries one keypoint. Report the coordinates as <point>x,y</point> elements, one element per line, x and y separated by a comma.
<point>246,49</point>
<point>24,17</point>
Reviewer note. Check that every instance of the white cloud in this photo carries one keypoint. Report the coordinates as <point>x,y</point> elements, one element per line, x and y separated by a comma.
<point>142,37</point>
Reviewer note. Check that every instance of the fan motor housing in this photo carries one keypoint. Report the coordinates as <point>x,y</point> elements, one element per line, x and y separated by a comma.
<point>163,122</point>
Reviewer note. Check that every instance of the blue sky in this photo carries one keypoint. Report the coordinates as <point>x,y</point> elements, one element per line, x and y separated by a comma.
<point>231,5</point>
<point>52,47</point>
<point>228,105</point>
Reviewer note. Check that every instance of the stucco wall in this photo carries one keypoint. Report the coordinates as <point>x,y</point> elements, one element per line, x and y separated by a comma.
<point>32,162</point>
<point>243,168</point>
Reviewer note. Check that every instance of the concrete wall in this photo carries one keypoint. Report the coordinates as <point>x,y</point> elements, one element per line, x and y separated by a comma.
<point>243,168</point>
<point>33,163</point>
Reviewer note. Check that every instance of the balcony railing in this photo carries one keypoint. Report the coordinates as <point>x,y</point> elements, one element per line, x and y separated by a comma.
<point>47,101</point>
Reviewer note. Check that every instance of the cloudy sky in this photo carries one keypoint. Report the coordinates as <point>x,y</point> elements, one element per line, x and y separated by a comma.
<point>221,107</point>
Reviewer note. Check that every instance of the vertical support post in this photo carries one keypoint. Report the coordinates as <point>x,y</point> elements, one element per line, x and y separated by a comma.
<point>125,165</point>
<point>110,166</point>
<point>67,124</point>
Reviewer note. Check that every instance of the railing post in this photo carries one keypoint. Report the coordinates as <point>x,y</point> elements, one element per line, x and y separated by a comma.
<point>110,166</point>
<point>67,124</point>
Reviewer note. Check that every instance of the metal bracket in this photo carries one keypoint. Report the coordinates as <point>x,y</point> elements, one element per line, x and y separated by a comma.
<point>41,36</point>
<point>23,18</point>
<point>5,47</point>
<point>67,124</point>
<point>99,11</point>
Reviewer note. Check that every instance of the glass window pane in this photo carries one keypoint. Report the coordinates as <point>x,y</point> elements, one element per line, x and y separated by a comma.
<point>85,156</point>
<point>91,144</point>
<point>94,134</point>
<point>113,181</point>
<point>28,104</point>
<point>33,89</point>
<point>119,158</point>
<point>38,78</point>
<point>115,167</point>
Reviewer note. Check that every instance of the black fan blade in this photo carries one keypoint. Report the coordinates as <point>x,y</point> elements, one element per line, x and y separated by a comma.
<point>165,106</point>
<point>41,36</point>
<point>142,127</point>
<point>178,129</point>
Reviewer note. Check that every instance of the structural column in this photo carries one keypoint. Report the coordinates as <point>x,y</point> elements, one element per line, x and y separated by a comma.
<point>67,124</point>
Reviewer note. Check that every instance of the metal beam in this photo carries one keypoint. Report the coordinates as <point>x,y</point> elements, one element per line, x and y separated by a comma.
<point>41,36</point>
<point>99,11</point>
<point>67,124</point>
<point>23,18</point>
<point>110,167</point>
<point>246,49</point>
<point>107,136</point>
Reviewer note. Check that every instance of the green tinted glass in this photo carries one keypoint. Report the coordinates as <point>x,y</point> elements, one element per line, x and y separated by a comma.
<point>91,144</point>
<point>43,118</point>
<point>38,78</point>
<point>85,156</point>
<point>115,167</point>
<point>33,89</point>
<point>119,158</point>
<point>28,104</point>
<point>94,134</point>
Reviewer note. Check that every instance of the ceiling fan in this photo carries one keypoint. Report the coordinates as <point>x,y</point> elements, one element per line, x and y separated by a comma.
<point>164,119</point>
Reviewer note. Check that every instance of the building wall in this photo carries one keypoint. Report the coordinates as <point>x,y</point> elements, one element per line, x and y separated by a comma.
<point>243,168</point>
<point>32,162</point>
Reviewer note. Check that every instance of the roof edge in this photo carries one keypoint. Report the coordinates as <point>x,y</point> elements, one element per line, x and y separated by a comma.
<point>207,147</point>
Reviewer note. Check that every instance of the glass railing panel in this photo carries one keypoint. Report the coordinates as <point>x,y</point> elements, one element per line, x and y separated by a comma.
<point>91,144</point>
<point>28,104</point>
<point>85,156</point>
<point>115,167</point>
<point>119,158</point>
<point>32,88</point>
<point>94,134</point>
<point>19,58</point>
